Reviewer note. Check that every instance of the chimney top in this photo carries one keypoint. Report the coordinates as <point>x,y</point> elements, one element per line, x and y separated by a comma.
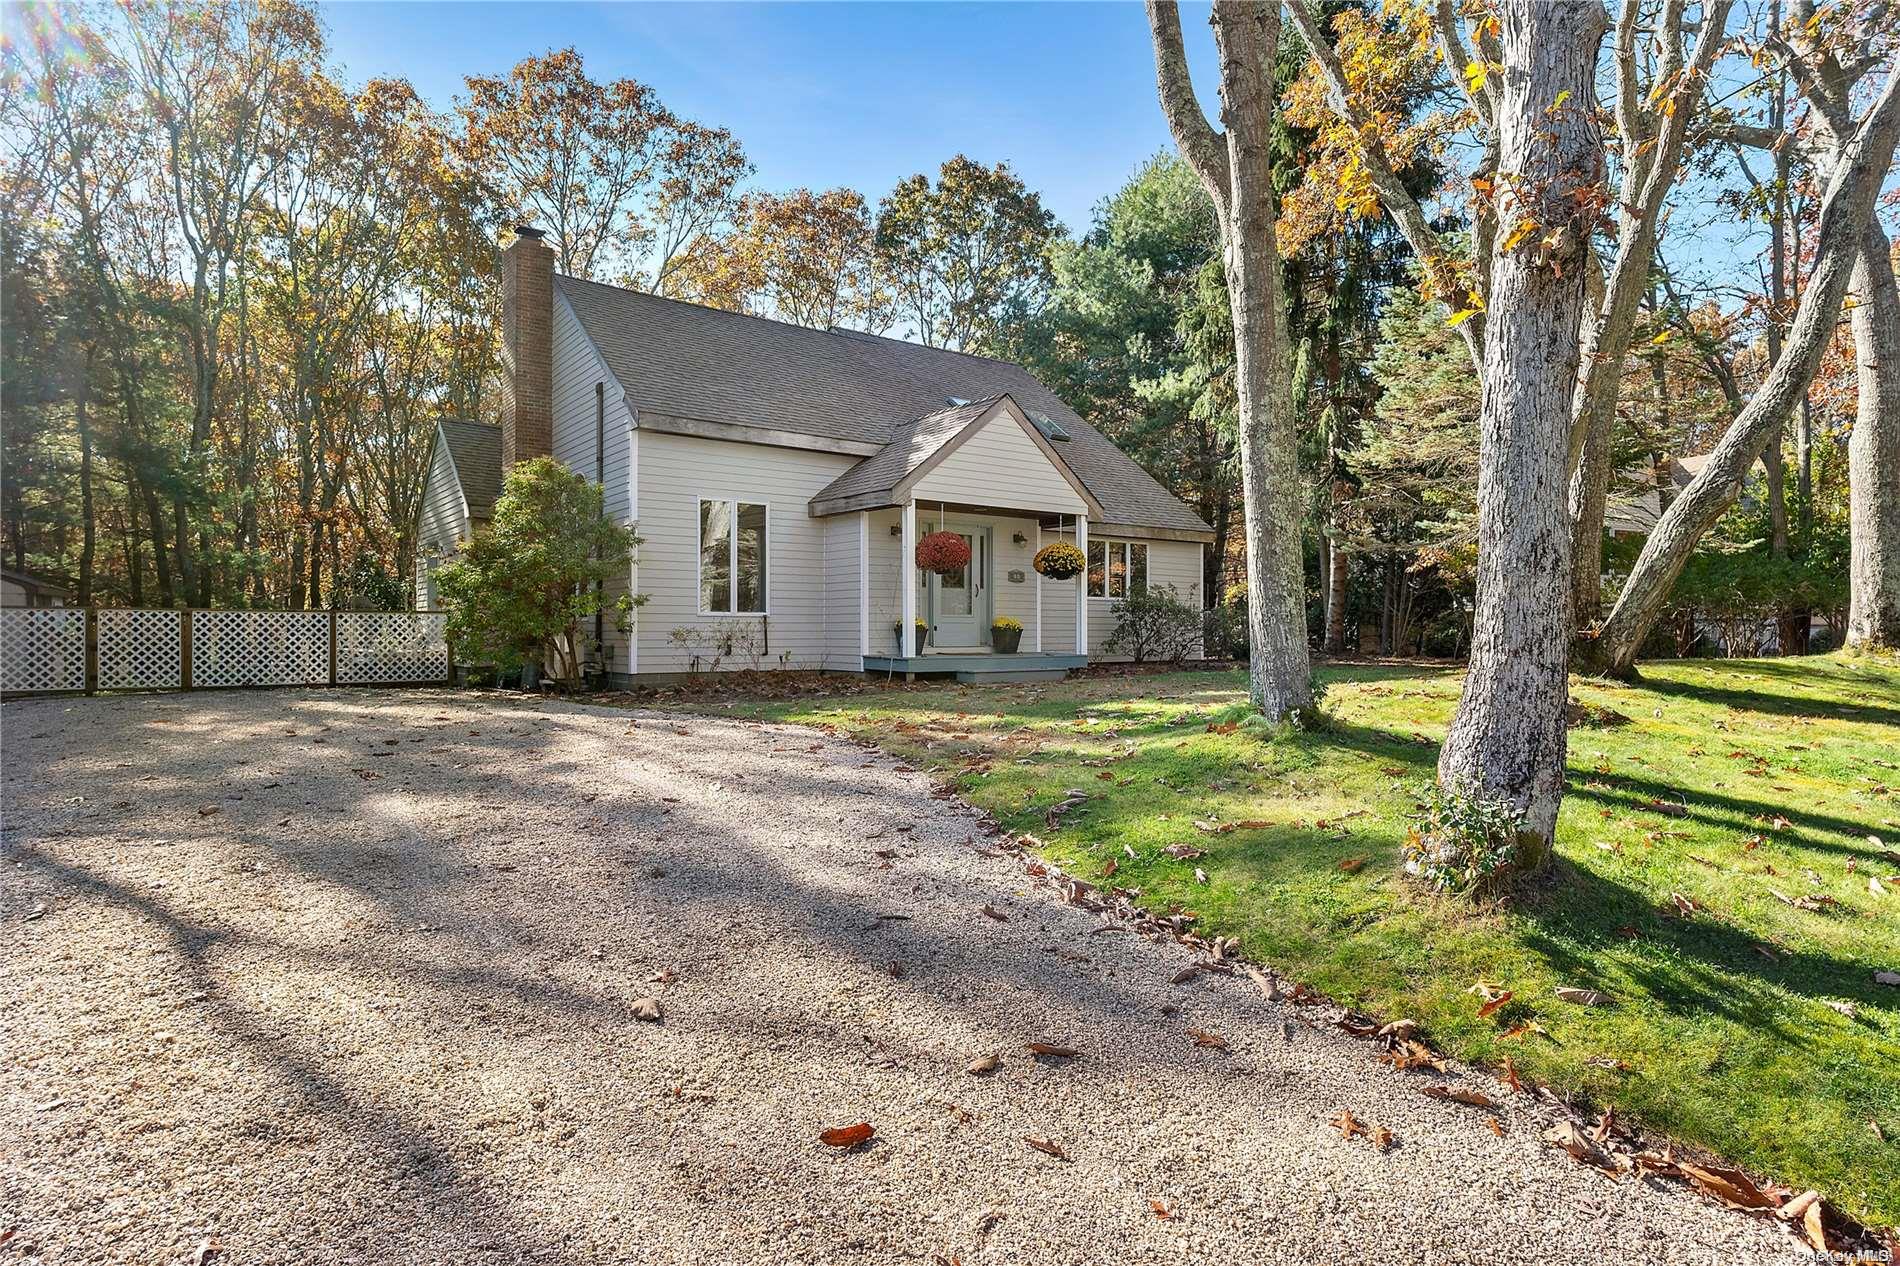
<point>530,232</point>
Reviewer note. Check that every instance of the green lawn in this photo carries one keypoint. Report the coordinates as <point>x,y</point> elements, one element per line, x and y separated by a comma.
<point>1721,1035</point>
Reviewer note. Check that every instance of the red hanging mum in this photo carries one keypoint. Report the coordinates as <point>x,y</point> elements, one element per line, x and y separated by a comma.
<point>943,553</point>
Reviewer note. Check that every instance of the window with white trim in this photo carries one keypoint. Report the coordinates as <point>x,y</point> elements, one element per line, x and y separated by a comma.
<point>1117,568</point>
<point>732,557</point>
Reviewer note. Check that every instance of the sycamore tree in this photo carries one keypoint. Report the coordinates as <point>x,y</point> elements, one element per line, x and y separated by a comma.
<point>522,586</point>
<point>1235,165</point>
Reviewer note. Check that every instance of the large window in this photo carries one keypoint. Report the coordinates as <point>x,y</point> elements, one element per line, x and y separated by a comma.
<point>1117,568</point>
<point>732,553</point>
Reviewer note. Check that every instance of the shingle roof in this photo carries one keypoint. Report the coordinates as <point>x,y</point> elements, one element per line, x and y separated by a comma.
<point>911,446</point>
<point>475,447</point>
<point>705,364</point>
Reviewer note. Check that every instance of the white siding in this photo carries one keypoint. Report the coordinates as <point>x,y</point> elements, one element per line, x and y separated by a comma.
<point>442,521</point>
<point>580,442</point>
<point>1176,563</point>
<point>1000,466</point>
<point>841,592</point>
<point>440,525</point>
<point>674,472</point>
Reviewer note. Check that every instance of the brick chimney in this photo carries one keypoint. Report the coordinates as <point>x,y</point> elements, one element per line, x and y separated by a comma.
<point>527,351</point>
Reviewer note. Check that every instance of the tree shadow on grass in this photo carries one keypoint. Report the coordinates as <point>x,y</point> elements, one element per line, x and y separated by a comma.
<point>1773,703</point>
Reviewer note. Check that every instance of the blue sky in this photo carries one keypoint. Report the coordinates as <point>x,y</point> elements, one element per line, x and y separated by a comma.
<point>832,94</point>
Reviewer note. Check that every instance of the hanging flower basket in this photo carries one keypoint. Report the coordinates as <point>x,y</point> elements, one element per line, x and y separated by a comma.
<point>943,553</point>
<point>1060,561</point>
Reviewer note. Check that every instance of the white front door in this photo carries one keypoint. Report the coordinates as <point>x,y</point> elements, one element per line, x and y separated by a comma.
<point>959,601</point>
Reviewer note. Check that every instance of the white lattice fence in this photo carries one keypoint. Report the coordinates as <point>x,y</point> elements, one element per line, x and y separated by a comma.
<point>139,650</point>
<point>260,648</point>
<point>391,647</point>
<point>42,648</point>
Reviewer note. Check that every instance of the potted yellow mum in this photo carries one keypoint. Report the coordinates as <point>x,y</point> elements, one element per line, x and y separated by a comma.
<point>1005,635</point>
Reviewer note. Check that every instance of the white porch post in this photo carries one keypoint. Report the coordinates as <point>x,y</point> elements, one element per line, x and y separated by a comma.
<point>1082,586</point>
<point>1038,576</point>
<point>907,578</point>
<point>864,582</point>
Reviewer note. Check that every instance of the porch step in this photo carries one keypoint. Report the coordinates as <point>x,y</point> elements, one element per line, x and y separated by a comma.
<point>978,666</point>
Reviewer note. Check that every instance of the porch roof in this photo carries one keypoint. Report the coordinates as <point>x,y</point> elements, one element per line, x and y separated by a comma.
<point>887,476</point>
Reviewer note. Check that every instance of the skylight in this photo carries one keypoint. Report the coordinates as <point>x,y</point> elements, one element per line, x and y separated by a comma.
<point>1049,426</point>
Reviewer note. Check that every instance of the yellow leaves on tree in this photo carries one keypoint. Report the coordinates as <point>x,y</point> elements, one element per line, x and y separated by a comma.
<point>1390,63</point>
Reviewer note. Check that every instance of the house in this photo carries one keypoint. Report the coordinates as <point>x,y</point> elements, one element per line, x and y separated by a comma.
<point>780,478</point>
<point>24,589</point>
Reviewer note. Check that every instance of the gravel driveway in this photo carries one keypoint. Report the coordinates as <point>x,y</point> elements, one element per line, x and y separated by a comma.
<point>349,977</point>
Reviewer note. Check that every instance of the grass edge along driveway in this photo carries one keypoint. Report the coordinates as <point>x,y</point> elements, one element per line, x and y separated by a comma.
<point>1727,873</point>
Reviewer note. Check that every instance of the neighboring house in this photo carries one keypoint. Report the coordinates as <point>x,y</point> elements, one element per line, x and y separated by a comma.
<point>1637,501</point>
<point>24,589</point>
<point>464,480</point>
<point>780,477</point>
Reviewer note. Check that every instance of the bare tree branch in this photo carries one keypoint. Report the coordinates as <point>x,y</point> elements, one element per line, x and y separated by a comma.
<point>1200,144</point>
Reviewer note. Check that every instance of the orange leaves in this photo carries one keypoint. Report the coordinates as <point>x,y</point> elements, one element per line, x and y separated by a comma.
<point>1349,1125</point>
<point>1458,1094</point>
<point>1051,1051</point>
<point>846,1136</point>
<point>1485,1012</point>
<point>1046,1146</point>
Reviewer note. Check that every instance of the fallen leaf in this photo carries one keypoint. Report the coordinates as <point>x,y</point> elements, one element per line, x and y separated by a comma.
<point>1184,852</point>
<point>1485,1010</point>
<point>1566,1135</point>
<point>1510,1076</point>
<point>995,914</point>
<point>983,1064</point>
<point>1817,1231</point>
<point>646,1009</point>
<point>848,1135</point>
<point>1496,1128</point>
<point>1382,1139</point>
<point>1054,1052</point>
<point>206,1251</point>
<point>1458,1094</point>
<point>1161,1210</point>
<point>1203,1038</point>
<point>1349,1125</point>
<point>1731,1186</point>
<point>206,812</point>
<point>1046,1146</point>
<point>1887,978</point>
<point>1582,997</point>
<point>1352,865</point>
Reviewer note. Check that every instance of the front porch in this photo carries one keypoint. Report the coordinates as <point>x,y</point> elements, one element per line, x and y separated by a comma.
<point>978,667</point>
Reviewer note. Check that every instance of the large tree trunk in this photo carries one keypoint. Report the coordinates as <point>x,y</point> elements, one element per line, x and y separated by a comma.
<point>1844,214</point>
<point>1873,454</point>
<point>1236,167</point>
<point>1506,742</point>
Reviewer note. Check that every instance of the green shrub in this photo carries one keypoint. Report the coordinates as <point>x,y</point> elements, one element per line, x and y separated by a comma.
<point>1465,844</point>
<point>520,588</point>
<point>1152,623</point>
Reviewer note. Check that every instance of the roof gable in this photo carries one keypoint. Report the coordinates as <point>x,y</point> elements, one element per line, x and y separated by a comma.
<point>475,451</point>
